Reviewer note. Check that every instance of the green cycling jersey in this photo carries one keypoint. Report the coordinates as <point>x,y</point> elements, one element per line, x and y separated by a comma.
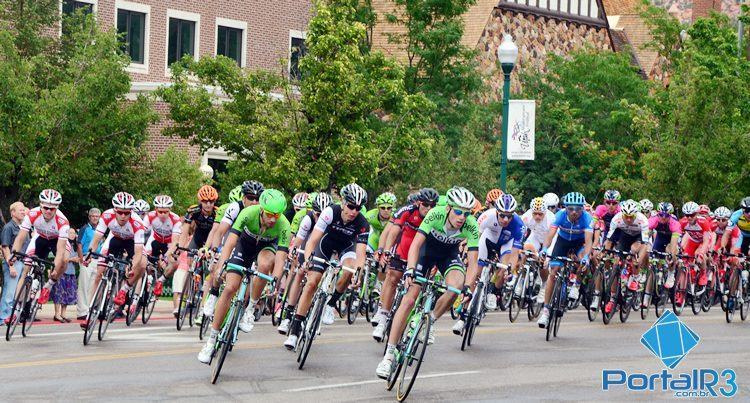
<point>434,228</point>
<point>377,226</point>
<point>248,225</point>
<point>297,219</point>
<point>221,210</point>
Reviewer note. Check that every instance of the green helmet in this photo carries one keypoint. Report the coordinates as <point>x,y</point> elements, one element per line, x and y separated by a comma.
<point>442,200</point>
<point>310,198</point>
<point>273,201</point>
<point>235,194</point>
<point>386,199</point>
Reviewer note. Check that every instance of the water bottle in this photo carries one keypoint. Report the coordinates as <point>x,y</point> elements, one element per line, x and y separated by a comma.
<point>745,275</point>
<point>34,286</point>
<point>149,280</point>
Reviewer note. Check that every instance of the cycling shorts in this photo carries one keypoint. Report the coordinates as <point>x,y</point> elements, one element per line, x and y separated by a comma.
<point>444,263</point>
<point>535,241</point>
<point>246,251</point>
<point>118,248</point>
<point>327,248</point>
<point>41,247</point>
<point>661,242</point>
<point>397,264</point>
<point>564,247</point>
<point>155,248</point>
<point>626,241</point>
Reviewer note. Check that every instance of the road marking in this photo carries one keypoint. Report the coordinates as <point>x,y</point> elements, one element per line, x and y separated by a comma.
<point>348,384</point>
<point>129,329</point>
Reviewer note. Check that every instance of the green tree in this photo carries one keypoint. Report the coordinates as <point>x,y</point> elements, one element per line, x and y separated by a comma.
<point>170,173</point>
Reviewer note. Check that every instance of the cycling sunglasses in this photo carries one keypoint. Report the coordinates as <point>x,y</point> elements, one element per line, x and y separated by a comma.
<point>746,210</point>
<point>574,209</point>
<point>122,212</point>
<point>690,215</point>
<point>629,215</point>
<point>664,215</point>
<point>352,206</point>
<point>428,205</point>
<point>506,216</point>
<point>464,213</point>
<point>611,202</point>
<point>386,208</point>
<point>49,208</point>
<point>271,215</point>
<point>252,197</point>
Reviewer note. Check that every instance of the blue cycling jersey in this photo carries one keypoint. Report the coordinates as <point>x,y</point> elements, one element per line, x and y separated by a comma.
<point>572,231</point>
<point>515,230</point>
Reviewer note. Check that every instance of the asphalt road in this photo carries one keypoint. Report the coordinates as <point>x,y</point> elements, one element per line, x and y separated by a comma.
<point>508,361</point>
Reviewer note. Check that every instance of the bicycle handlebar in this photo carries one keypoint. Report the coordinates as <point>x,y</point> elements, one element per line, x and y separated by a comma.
<point>424,280</point>
<point>333,263</point>
<point>110,258</point>
<point>33,258</point>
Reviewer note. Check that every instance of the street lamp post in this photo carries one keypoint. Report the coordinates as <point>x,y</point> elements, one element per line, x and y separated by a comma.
<point>507,54</point>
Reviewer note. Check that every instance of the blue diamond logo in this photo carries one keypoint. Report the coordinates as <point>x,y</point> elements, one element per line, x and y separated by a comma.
<point>669,339</point>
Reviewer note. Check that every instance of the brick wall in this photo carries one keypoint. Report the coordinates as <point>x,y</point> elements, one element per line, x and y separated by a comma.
<point>702,8</point>
<point>157,142</point>
<point>536,37</point>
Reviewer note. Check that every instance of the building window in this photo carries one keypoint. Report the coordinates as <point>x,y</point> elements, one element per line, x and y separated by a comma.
<point>131,26</point>
<point>181,39</point>
<point>579,8</point>
<point>69,7</point>
<point>296,52</point>
<point>229,43</point>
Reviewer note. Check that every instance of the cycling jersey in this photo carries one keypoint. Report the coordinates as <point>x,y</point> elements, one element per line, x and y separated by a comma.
<point>297,219</point>
<point>409,219</point>
<point>604,216</point>
<point>445,241</point>
<point>306,225</point>
<point>733,237</point>
<point>252,240</point>
<point>739,219</point>
<point>51,229</point>
<point>664,232</point>
<point>695,231</point>
<point>376,227</point>
<point>203,224</point>
<point>495,237</point>
<point>339,237</point>
<point>132,229</point>
<point>163,230</point>
<point>538,229</point>
<point>231,212</point>
<point>572,230</point>
<point>638,226</point>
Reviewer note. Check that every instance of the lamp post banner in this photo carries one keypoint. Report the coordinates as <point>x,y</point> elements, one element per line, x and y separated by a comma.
<point>521,121</point>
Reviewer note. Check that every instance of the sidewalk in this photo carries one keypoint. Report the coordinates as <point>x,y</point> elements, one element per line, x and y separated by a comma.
<point>162,311</point>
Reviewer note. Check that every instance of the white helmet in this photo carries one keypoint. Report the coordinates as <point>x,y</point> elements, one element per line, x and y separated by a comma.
<point>722,212</point>
<point>50,197</point>
<point>321,201</point>
<point>163,201</point>
<point>630,207</point>
<point>123,200</point>
<point>551,200</point>
<point>141,206</point>
<point>690,208</point>
<point>354,194</point>
<point>300,200</point>
<point>461,198</point>
<point>646,205</point>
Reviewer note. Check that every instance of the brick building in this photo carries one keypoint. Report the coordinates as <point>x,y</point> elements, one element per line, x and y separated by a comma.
<point>257,34</point>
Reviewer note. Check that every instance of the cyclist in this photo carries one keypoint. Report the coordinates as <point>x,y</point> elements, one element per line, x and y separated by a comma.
<point>741,220</point>
<point>632,227</point>
<point>405,226</point>
<point>538,220</point>
<point>666,232</point>
<point>647,208</point>
<point>436,244</point>
<point>319,203</point>
<point>141,208</point>
<point>48,224</point>
<point>604,214</point>
<point>250,191</point>
<point>697,239</point>
<point>260,232</point>
<point>126,233</point>
<point>165,227</point>
<point>378,217</point>
<point>552,202</point>
<point>492,195</point>
<point>341,230</point>
<point>301,203</point>
<point>572,233</point>
<point>501,234</point>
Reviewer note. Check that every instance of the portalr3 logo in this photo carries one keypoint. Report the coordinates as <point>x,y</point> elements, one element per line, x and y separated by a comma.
<point>670,340</point>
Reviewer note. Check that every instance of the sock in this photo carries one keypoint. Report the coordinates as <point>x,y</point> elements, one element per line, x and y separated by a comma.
<point>289,311</point>
<point>334,298</point>
<point>125,286</point>
<point>214,334</point>
<point>50,282</point>
<point>162,279</point>
<point>389,351</point>
<point>214,291</point>
<point>294,328</point>
<point>382,311</point>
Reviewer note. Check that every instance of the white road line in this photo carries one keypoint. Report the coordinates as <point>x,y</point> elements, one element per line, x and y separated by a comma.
<point>132,329</point>
<point>345,385</point>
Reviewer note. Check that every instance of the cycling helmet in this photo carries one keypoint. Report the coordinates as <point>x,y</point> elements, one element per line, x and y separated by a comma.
<point>506,203</point>
<point>551,200</point>
<point>310,198</point>
<point>646,206</point>
<point>612,195</point>
<point>460,197</point>
<point>207,193</point>
<point>235,194</point>
<point>442,200</point>
<point>477,207</point>
<point>300,200</point>
<point>141,206</point>
<point>722,212</point>
<point>537,205</point>
<point>704,210</point>
<point>412,198</point>
<point>50,197</point>
<point>665,207</point>
<point>428,195</point>
<point>252,188</point>
<point>386,199</point>
<point>745,203</point>
<point>123,201</point>
<point>354,194</point>
<point>273,201</point>
<point>493,195</point>
<point>690,208</point>
<point>322,200</point>
<point>574,199</point>
<point>630,207</point>
<point>163,201</point>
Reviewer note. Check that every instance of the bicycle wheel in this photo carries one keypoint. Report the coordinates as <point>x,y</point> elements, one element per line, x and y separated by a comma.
<point>94,312</point>
<point>707,299</point>
<point>279,299</point>
<point>33,309</point>
<point>150,299</point>
<point>185,298</point>
<point>554,306</point>
<point>592,313</point>
<point>352,307</point>
<point>607,296</point>
<point>505,296</point>
<point>680,292</point>
<point>196,304</point>
<point>131,312</point>
<point>17,311</point>
<point>745,302</point>
<point>533,306</point>
<point>413,359</point>
<point>661,299</point>
<point>311,329</point>
<point>108,312</point>
<point>696,301</point>
<point>729,312</point>
<point>650,284</point>
<point>225,341</point>
<point>514,308</point>
<point>626,305</point>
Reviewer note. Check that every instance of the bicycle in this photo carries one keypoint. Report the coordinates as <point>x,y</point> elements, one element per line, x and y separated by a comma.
<point>363,301</point>
<point>526,291</point>
<point>141,298</point>
<point>601,276</point>
<point>288,288</point>
<point>102,306</point>
<point>625,299</point>
<point>191,296</point>
<point>278,300</point>
<point>311,324</point>
<point>684,288</point>
<point>230,327</point>
<point>410,351</point>
<point>708,298</point>
<point>25,304</point>
<point>477,310</point>
<point>559,302</point>
<point>741,294</point>
<point>655,279</point>
<point>399,295</point>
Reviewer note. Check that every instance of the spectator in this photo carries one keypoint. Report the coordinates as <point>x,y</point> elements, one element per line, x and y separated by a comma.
<point>64,291</point>
<point>87,273</point>
<point>11,274</point>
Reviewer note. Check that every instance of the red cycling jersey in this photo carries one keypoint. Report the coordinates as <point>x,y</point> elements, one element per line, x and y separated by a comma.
<point>735,235</point>
<point>51,229</point>
<point>133,228</point>
<point>163,228</point>
<point>697,230</point>
<point>409,219</point>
